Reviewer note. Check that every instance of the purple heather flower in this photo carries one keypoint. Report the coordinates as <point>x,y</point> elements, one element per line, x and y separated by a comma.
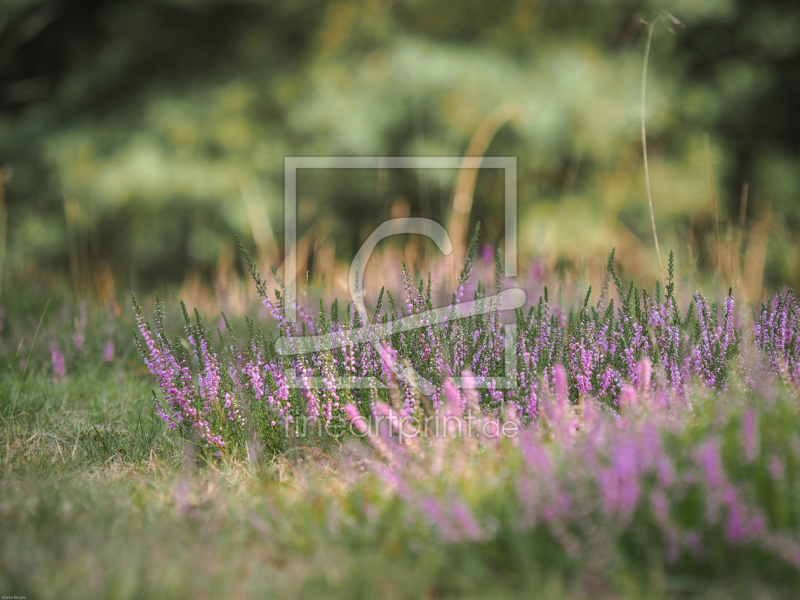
<point>78,339</point>
<point>627,398</point>
<point>776,468</point>
<point>466,521</point>
<point>709,460</point>
<point>619,484</point>
<point>750,439</point>
<point>108,352</point>
<point>58,360</point>
<point>560,383</point>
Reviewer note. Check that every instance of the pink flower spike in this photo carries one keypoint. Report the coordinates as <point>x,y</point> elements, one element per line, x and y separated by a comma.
<point>470,391</point>
<point>77,340</point>
<point>627,398</point>
<point>750,440</point>
<point>454,403</point>
<point>355,417</point>
<point>646,372</point>
<point>58,360</point>
<point>560,382</point>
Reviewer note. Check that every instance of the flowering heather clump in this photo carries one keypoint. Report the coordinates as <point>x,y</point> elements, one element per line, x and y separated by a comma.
<point>209,405</point>
<point>628,339</point>
<point>58,360</point>
<point>79,337</point>
<point>591,484</point>
<point>627,433</point>
<point>776,334</point>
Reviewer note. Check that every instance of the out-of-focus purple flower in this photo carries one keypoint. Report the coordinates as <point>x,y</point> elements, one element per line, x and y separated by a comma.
<point>619,483</point>
<point>108,352</point>
<point>750,440</point>
<point>77,340</point>
<point>455,403</point>
<point>58,360</point>
<point>709,460</point>
<point>560,383</point>
<point>355,418</point>
<point>466,521</point>
<point>776,468</point>
<point>628,398</point>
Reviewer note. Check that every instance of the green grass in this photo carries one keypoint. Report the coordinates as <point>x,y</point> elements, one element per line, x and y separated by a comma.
<point>99,499</point>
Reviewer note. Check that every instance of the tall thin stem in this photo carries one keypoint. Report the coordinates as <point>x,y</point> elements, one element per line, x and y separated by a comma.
<point>644,146</point>
<point>713,193</point>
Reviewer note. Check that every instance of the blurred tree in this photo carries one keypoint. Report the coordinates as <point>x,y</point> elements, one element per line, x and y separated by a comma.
<point>143,134</point>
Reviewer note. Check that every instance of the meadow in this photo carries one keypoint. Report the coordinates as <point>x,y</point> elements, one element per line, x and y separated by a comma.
<point>649,446</point>
<point>617,426</point>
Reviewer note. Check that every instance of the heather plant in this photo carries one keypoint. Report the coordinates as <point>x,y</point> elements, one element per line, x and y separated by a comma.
<point>776,334</point>
<point>594,489</point>
<point>629,337</point>
<point>62,336</point>
<point>644,450</point>
<point>208,406</point>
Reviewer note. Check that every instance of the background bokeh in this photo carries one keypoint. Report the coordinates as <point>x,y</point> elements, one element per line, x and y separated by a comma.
<point>139,136</point>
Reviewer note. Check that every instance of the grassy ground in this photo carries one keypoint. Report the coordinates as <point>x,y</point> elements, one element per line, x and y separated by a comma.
<point>99,499</point>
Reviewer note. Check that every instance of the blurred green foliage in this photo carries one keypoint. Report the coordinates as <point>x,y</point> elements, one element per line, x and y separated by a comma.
<point>133,127</point>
